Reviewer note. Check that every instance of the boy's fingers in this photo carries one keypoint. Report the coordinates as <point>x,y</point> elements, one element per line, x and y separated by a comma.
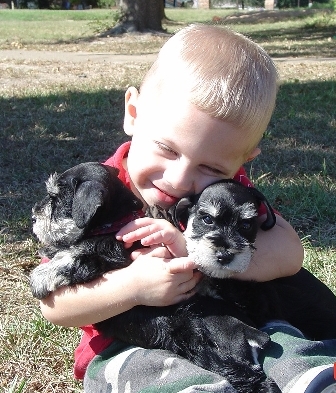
<point>198,276</point>
<point>137,253</point>
<point>180,265</point>
<point>188,288</point>
<point>184,296</point>
<point>128,245</point>
<point>138,234</point>
<point>154,251</point>
<point>145,235</point>
<point>134,225</point>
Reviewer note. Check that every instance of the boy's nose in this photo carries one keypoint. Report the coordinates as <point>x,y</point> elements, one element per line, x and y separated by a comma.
<point>179,177</point>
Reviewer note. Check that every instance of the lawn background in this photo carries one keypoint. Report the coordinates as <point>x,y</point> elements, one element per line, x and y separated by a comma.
<point>56,114</point>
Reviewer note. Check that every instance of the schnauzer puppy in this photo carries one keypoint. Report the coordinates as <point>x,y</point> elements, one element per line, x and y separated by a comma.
<point>221,227</point>
<point>83,206</point>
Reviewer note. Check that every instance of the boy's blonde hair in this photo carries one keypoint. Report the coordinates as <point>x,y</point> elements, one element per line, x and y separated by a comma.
<point>223,73</point>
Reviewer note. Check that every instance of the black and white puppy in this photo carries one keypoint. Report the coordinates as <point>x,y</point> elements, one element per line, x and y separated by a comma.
<point>222,226</point>
<point>83,206</point>
<point>220,234</point>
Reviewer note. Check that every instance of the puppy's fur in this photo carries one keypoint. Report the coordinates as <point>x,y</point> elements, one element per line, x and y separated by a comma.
<point>81,204</point>
<point>222,227</point>
<point>216,328</point>
<point>90,196</point>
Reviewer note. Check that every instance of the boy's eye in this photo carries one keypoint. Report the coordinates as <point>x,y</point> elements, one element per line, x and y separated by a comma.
<point>214,171</point>
<point>165,148</point>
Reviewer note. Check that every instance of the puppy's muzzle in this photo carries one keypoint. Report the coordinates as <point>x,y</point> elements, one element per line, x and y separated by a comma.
<point>224,257</point>
<point>224,249</point>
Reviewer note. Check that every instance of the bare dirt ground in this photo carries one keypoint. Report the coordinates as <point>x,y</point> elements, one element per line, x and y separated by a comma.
<point>43,68</point>
<point>102,57</point>
<point>40,69</point>
<point>74,57</point>
<point>73,72</point>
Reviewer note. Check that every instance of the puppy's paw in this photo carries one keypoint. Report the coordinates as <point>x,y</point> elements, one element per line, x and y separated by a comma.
<point>47,277</point>
<point>40,283</point>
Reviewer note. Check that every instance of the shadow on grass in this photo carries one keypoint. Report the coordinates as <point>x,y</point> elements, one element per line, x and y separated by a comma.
<point>41,135</point>
<point>301,136</point>
<point>44,134</point>
<point>298,42</point>
<point>315,36</point>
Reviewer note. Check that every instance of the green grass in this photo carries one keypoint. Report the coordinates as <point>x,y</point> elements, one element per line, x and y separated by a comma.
<point>55,115</point>
<point>35,25</point>
<point>46,16</point>
<point>36,343</point>
<point>78,30</point>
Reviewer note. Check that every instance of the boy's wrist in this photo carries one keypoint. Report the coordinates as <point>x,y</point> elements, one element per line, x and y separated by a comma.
<point>128,290</point>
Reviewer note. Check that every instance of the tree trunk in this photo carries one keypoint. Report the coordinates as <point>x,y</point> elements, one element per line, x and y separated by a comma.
<point>141,15</point>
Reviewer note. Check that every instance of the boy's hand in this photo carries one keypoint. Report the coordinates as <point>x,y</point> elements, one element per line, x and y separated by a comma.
<point>151,232</point>
<point>161,272</point>
<point>160,281</point>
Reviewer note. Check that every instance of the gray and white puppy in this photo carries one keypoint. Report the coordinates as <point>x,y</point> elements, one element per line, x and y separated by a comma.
<point>222,227</point>
<point>74,222</point>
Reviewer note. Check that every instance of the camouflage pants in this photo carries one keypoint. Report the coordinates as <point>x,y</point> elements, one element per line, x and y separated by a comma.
<point>295,363</point>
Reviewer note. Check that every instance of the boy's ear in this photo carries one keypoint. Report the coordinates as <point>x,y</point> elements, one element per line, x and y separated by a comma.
<point>131,98</point>
<point>254,153</point>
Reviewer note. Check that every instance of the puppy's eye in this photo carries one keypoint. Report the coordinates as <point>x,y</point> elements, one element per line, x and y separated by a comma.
<point>207,219</point>
<point>246,225</point>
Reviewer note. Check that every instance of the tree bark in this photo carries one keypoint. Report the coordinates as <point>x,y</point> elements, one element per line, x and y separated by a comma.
<point>140,15</point>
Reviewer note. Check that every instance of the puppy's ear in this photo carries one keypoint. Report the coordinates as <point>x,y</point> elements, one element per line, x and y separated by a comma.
<point>180,213</point>
<point>271,218</point>
<point>89,196</point>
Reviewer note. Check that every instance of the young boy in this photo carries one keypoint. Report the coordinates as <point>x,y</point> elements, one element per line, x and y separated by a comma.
<point>199,116</point>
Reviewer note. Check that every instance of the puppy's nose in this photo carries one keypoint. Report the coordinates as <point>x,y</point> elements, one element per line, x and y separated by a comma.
<point>33,220</point>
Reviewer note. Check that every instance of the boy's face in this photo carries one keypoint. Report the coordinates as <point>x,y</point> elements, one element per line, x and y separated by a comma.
<point>178,150</point>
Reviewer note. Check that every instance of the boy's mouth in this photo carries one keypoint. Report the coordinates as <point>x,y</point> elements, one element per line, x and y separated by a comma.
<point>164,198</point>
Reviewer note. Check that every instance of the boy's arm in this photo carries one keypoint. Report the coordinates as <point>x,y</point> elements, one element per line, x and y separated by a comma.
<point>152,280</point>
<point>278,253</point>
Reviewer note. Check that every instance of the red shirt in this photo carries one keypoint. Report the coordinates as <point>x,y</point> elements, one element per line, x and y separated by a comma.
<point>92,343</point>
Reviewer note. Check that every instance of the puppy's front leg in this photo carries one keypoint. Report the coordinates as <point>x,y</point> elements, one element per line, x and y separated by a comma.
<point>47,277</point>
<point>79,264</point>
